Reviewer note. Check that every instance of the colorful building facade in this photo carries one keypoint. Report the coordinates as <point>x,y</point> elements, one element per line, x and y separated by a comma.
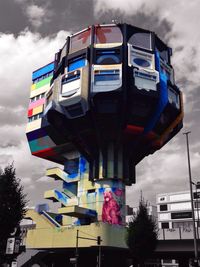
<point>107,100</point>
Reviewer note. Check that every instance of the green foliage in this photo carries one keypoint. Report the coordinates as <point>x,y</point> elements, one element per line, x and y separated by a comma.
<point>12,203</point>
<point>142,234</point>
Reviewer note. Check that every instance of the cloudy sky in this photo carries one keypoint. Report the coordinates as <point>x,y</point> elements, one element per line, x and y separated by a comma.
<point>32,31</point>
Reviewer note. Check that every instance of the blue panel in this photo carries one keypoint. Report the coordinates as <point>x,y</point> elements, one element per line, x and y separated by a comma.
<point>77,63</point>
<point>163,99</point>
<point>42,71</point>
<point>104,77</point>
<point>36,134</point>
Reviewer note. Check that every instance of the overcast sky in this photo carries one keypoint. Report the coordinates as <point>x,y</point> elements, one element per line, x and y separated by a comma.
<point>32,31</point>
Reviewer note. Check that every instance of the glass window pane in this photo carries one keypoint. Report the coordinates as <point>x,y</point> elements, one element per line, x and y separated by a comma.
<point>104,35</point>
<point>70,84</point>
<point>165,225</point>
<point>173,97</point>
<point>107,76</point>
<point>163,207</point>
<point>108,57</point>
<point>80,41</point>
<point>163,50</point>
<point>141,39</point>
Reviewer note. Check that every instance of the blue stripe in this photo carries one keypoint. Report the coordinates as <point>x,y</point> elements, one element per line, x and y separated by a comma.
<point>163,99</point>
<point>76,64</point>
<point>44,70</point>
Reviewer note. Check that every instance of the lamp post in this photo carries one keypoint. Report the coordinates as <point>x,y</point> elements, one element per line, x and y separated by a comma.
<point>191,195</point>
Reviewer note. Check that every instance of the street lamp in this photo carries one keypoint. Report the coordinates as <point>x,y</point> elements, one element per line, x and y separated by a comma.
<point>191,195</point>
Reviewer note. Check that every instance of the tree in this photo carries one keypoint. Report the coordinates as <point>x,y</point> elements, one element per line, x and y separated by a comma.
<point>142,234</point>
<point>12,204</point>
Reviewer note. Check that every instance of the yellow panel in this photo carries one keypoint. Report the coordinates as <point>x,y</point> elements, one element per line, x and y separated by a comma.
<point>108,67</point>
<point>108,45</point>
<point>67,220</point>
<point>38,110</point>
<point>33,86</point>
<point>41,221</point>
<point>54,172</point>
<point>33,125</point>
<point>57,173</point>
<point>48,236</point>
<point>39,91</point>
<point>49,194</point>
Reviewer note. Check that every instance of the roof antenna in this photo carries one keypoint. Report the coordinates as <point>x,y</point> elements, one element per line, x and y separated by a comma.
<point>115,21</point>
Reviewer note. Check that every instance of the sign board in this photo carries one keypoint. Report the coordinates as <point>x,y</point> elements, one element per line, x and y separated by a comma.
<point>181,215</point>
<point>10,245</point>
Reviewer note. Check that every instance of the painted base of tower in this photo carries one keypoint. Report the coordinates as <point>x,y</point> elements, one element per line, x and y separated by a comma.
<point>46,235</point>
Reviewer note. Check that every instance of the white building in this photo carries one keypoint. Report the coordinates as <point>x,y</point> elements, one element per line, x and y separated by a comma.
<point>152,212</point>
<point>174,209</point>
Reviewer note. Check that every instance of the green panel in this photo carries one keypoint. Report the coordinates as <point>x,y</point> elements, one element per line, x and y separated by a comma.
<point>43,82</point>
<point>40,144</point>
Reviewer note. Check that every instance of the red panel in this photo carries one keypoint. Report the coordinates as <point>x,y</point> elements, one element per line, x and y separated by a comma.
<point>48,152</point>
<point>132,129</point>
<point>30,112</point>
<point>152,136</point>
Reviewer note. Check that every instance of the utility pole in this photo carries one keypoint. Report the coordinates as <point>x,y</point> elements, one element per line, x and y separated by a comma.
<point>76,256</point>
<point>99,256</point>
<point>98,240</point>
<point>191,195</point>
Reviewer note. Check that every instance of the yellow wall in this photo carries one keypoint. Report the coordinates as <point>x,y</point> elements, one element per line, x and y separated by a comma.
<point>46,235</point>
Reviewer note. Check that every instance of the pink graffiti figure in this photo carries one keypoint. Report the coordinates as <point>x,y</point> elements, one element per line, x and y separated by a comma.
<point>111,209</point>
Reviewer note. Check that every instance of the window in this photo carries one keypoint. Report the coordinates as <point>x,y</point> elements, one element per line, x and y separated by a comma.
<point>91,191</point>
<point>35,117</point>
<point>108,34</point>
<point>184,225</point>
<point>71,78</point>
<point>162,199</point>
<point>173,97</point>
<point>165,225</point>
<point>163,207</point>
<point>71,83</point>
<point>37,97</point>
<point>80,40</point>
<point>167,70</point>
<point>163,50</point>
<point>141,39</point>
<point>103,77</point>
<point>108,57</point>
